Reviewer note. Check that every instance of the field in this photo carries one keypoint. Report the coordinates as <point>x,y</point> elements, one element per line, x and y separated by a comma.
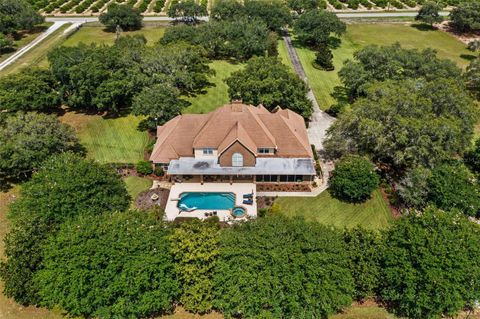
<point>94,34</point>
<point>360,35</point>
<point>373,214</point>
<point>114,140</point>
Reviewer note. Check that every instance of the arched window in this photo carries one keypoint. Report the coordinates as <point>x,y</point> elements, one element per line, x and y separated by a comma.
<point>237,159</point>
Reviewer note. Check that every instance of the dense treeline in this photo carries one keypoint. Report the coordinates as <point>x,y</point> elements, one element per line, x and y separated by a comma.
<point>238,39</point>
<point>392,93</point>
<point>90,257</point>
<point>107,78</point>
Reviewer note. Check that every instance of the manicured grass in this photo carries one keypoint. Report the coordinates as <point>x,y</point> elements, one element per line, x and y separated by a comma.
<point>114,140</point>
<point>37,56</point>
<point>373,214</point>
<point>360,35</point>
<point>217,95</point>
<point>283,54</point>
<point>97,34</point>
<point>136,185</point>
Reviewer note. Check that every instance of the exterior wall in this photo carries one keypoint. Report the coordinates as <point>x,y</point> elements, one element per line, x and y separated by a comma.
<point>199,153</point>
<point>225,158</point>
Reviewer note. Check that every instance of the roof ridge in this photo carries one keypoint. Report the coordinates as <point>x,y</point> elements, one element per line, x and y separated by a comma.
<point>263,126</point>
<point>294,132</point>
<point>212,115</point>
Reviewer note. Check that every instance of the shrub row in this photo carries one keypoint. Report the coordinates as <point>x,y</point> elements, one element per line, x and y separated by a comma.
<point>159,6</point>
<point>69,6</point>
<point>99,5</point>
<point>144,5</point>
<point>84,6</point>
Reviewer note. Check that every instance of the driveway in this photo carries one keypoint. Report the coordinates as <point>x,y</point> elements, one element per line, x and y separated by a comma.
<point>320,121</point>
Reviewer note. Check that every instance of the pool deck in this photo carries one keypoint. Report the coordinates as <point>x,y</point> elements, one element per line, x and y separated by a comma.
<point>239,189</point>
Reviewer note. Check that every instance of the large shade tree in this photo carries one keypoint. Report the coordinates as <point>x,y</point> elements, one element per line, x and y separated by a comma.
<point>429,13</point>
<point>29,90</point>
<point>316,27</point>
<point>64,187</point>
<point>282,268</point>
<point>388,124</point>
<point>265,80</point>
<point>123,16</point>
<point>429,265</point>
<point>113,265</point>
<point>379,63</point>
<point>16,15</point>
<point>465,16</point>
<point>354,179</point>
<point>28,139</point>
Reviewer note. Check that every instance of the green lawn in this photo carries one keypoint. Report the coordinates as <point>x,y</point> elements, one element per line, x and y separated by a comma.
<point>136,185</point>
<point>283,54</point>
<point>114,140</point>
<point>216,95</point>
<point>97,34</point>
<point>359,35</point>
<point>373,214</point>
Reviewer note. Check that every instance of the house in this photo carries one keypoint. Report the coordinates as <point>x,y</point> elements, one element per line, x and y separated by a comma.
<point>237,143</point>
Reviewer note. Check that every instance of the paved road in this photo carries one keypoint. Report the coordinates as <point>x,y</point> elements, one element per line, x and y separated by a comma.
<point>25,49</point>
<point>320,121</point>
<point>340,15</point>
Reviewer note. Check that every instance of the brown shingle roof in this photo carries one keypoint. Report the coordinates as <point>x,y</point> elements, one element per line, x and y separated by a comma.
<point>252,126</point>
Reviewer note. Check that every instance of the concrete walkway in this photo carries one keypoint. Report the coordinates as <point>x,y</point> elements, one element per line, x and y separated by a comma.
<point>56,25</point>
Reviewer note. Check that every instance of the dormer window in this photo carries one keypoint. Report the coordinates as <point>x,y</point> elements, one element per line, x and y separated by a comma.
<point>208,151</point>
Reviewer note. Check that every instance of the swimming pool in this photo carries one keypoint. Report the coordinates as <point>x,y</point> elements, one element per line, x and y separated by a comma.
<point>191,201</point>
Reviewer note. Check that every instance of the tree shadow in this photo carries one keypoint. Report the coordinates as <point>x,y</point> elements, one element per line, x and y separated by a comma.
<point>468,57</point>
<point>423,27</point>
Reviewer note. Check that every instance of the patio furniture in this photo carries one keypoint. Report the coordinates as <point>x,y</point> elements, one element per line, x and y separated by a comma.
<point>248,201</point>
<point>248,196</point>
<point>214,213</point>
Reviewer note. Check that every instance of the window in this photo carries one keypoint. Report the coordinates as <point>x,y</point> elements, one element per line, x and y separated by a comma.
<point>264,150</point>
<point>237,159</point>
<point>208,151</point>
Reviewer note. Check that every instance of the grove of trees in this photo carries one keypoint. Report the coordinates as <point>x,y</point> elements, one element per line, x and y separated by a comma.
<point>267,81</point>
<point>64,187</point>
<point>240,38</point>
<point>107,78</point>
<point>388,124</point>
